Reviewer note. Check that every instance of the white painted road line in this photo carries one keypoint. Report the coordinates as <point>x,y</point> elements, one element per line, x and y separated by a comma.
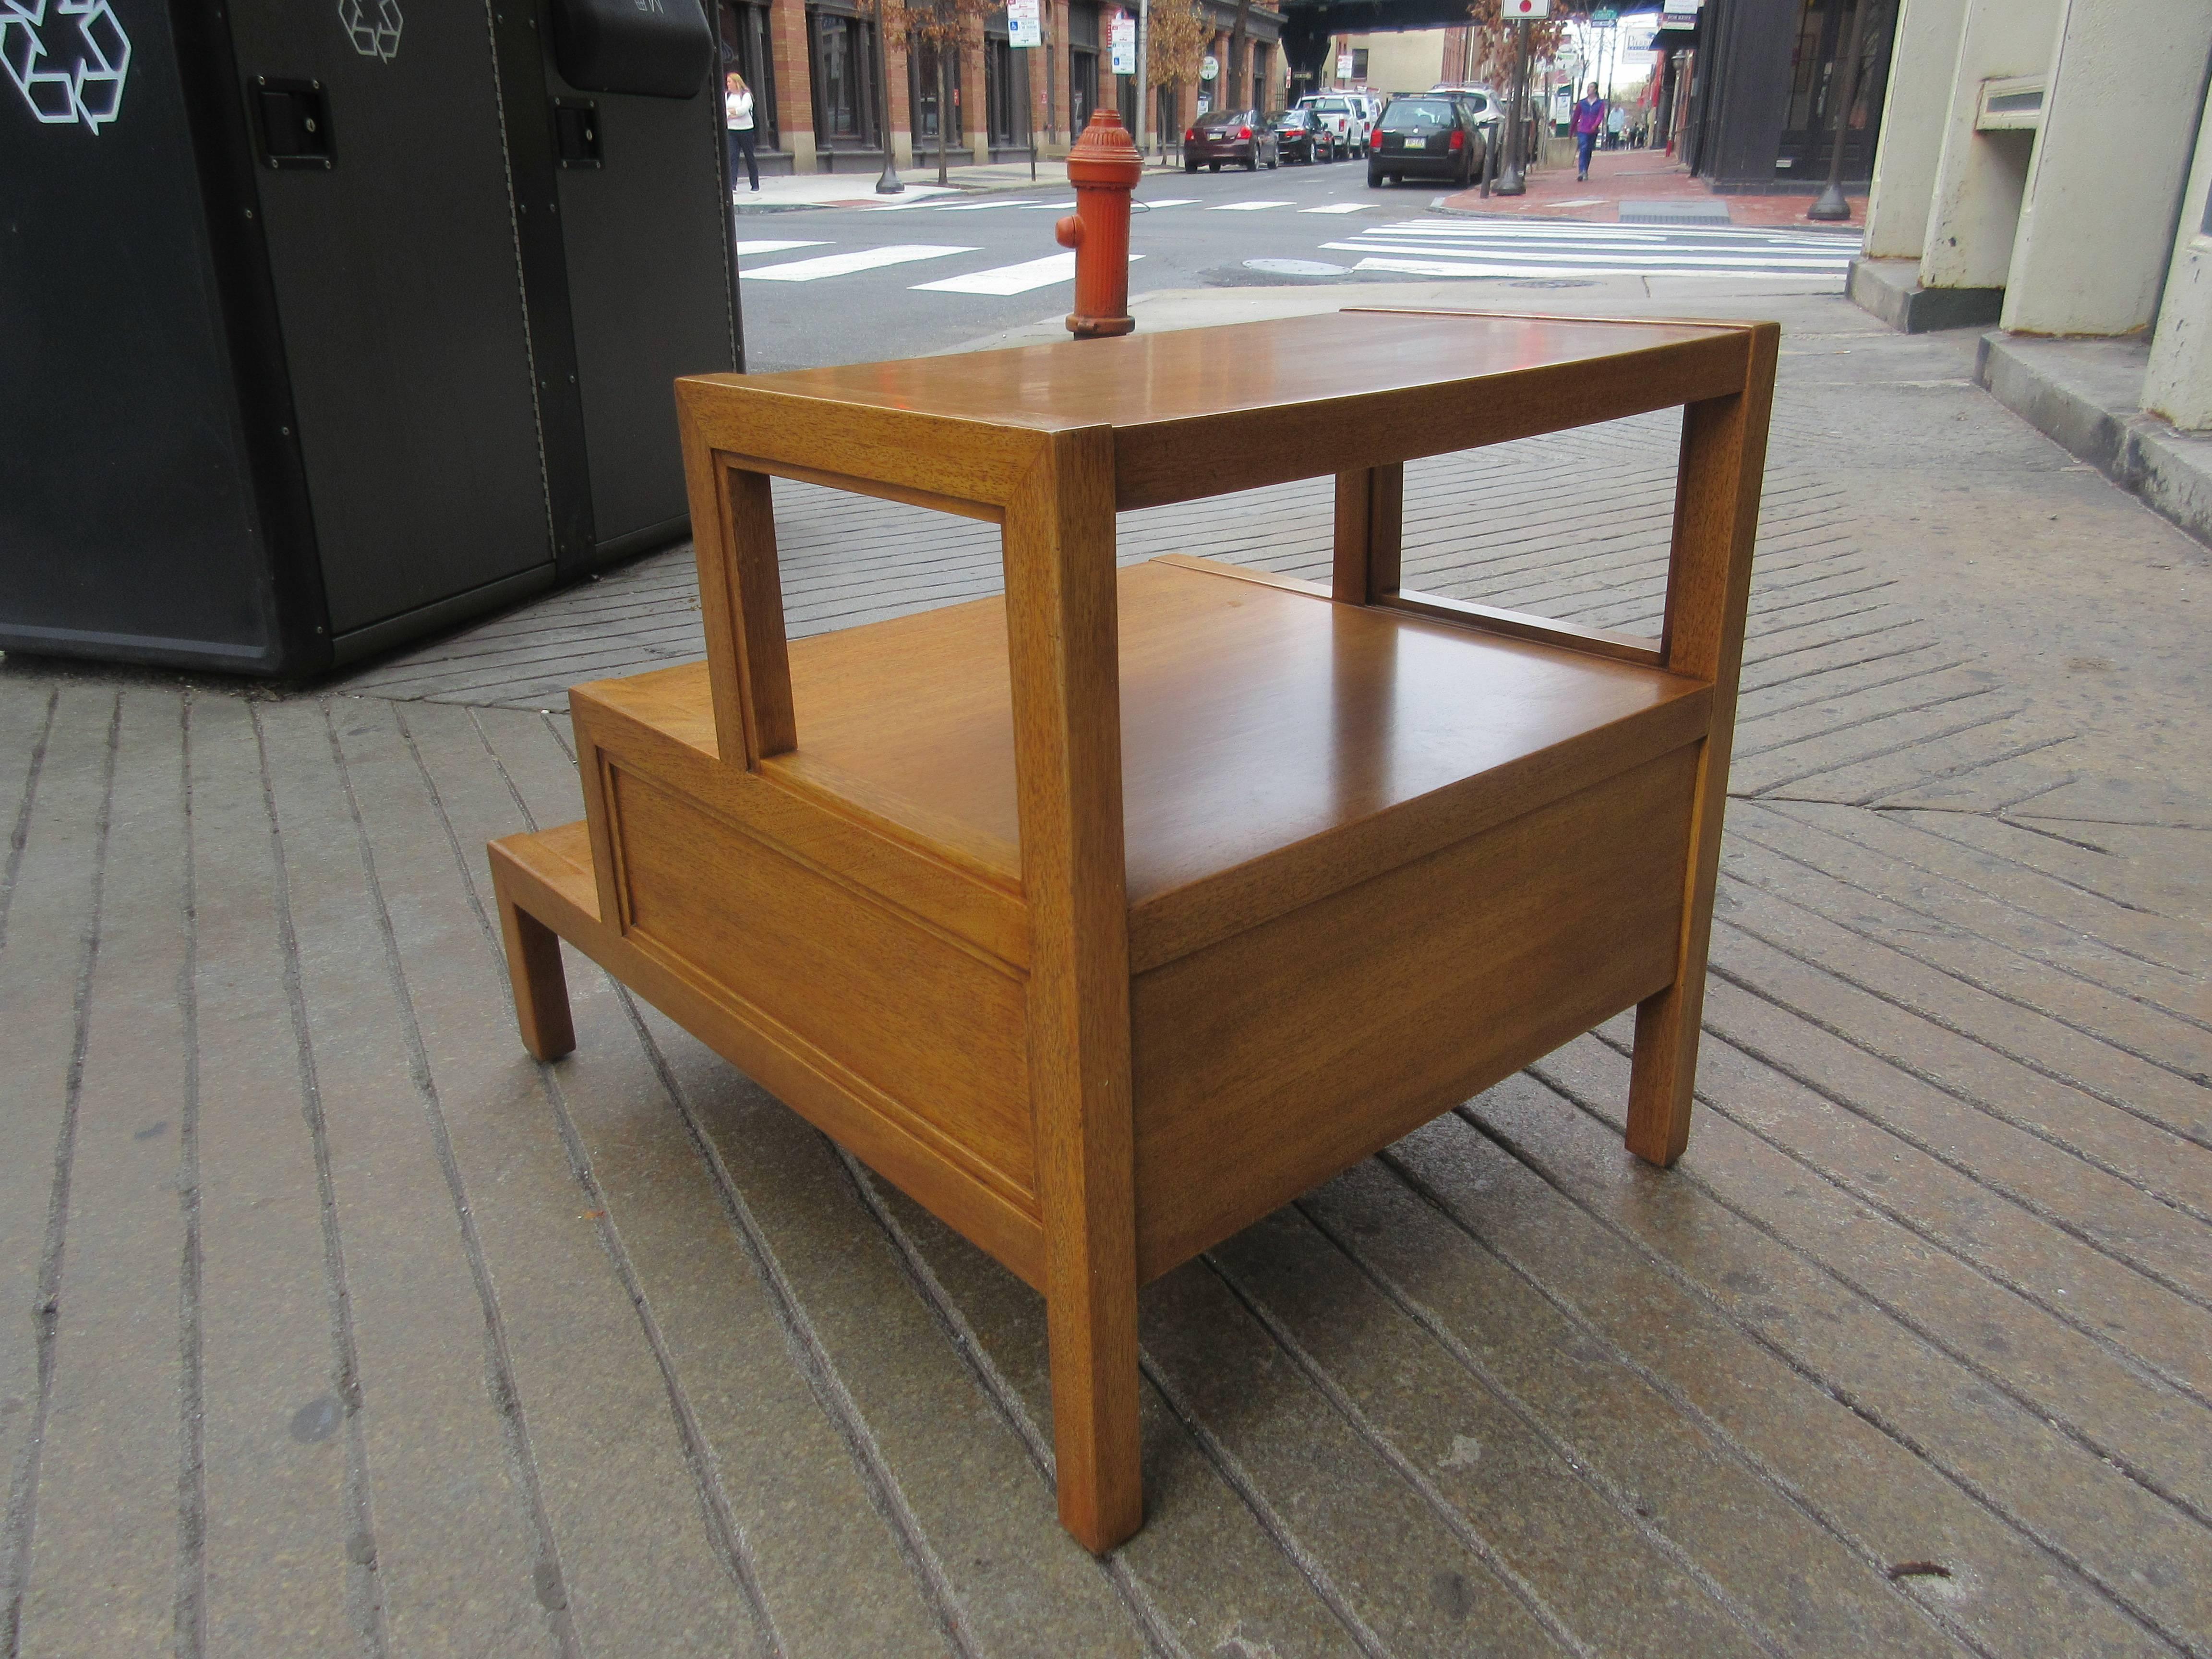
<point>979,207</point>
<point>1636,259</point>
<point>1484,268</point>
<point>1244,206</point>
<point>1339,207</point>
<point>841,264</point>
<point>1047,207</point>
<point>746,248</point>
<point>1010,279</point>
<point>1172,201</point>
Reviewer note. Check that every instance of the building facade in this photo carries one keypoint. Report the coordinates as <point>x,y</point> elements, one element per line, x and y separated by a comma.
<point>830,90</point>
<point>1760,108</point>
<point>2046,165</point>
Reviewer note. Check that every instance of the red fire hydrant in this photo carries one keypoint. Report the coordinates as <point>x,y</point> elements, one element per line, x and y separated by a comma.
<point>1105,168</point>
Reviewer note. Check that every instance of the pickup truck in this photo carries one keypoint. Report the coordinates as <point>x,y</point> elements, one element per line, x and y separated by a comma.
<point>1343,118</point>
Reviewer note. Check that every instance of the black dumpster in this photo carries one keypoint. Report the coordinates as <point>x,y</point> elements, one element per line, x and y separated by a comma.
<point>323,328</point>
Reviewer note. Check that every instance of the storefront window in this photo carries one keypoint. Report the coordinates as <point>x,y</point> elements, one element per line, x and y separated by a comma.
<point>745,29</point>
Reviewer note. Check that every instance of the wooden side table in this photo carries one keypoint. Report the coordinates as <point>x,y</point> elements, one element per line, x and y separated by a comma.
<point>1106,918</point>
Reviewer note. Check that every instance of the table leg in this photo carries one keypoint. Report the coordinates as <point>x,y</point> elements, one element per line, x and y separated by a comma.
<point>1370,517</point>
<point>1708,592</point>
<point>541,990</point>
<point>1061,641</point>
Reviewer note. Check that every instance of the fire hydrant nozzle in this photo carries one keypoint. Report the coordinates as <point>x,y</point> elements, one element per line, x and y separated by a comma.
<point>1105,168</point>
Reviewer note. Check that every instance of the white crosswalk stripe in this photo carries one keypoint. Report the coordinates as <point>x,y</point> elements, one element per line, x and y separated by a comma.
<point>1010,279</point>
<point>1244,206</point>
<point>1339,207</point>
<point>745,250</point>
<point>844,265</point>
<point>1469,248</point>
<point>1172,201</point>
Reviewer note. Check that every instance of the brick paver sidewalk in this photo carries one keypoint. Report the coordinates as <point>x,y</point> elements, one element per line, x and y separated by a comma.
<point>1642,175</point>
<point>329,1323</point>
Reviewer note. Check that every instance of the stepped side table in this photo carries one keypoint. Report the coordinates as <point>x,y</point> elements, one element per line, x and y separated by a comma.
<point>1105,918</point>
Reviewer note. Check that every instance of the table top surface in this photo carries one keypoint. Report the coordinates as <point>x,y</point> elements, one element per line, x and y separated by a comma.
<point>1252,717</point>
<point>1192,374</point>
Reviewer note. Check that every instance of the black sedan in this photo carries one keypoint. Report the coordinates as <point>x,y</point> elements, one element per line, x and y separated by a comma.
<point>1238,136</point>
<point>1299,137</point>
<point>1435,137</point>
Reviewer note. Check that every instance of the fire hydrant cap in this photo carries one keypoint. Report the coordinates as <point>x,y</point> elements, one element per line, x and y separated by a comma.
<point>1103,154</point>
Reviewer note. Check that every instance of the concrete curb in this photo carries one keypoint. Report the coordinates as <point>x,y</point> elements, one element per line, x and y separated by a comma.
<point>2082,394</point>
<point>1890,289</point>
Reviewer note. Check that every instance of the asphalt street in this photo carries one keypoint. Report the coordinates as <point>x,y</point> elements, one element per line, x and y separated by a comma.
<point>834,284</point>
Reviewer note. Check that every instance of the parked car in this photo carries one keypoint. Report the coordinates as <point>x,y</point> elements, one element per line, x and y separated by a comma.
<point>1484,103</point>
<point>1436,137</point>
<point>1299,137</point>
<point>1241,136</point>
<point>1344,121</point>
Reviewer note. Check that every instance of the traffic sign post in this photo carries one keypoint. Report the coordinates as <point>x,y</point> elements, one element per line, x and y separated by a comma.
<point>1514,181</point>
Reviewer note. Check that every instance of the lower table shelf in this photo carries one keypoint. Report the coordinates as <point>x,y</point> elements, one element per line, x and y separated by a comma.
<point>1376,862</point>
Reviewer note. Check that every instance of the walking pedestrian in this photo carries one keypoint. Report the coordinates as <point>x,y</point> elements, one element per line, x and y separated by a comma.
<point>1589,118</point>
<point>737,111</point>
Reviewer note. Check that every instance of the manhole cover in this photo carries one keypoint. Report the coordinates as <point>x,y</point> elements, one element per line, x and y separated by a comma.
<point>1297,267</point>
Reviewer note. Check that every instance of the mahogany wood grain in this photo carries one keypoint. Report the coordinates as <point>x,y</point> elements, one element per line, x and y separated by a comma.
<point>1469,964</point>
<point>546,876</point>
<point>1708,596</point>
<point>1064,658</point>
<point>1370,508</point>
<point>659,725</point>
<point>1263,403</point>
<point>1104,917</point>
<point>541,988</point>
<point>929,500</point>
<point>1521,625</point>
<point>937,1030</point>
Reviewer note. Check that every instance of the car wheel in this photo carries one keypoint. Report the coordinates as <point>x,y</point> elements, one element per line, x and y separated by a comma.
<point>1213,167</point>
<point>1374,180</point>
<point>1190,165</point>
<point>1252,162</point>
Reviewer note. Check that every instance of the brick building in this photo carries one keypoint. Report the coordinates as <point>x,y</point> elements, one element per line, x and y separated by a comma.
<point>811,64</point>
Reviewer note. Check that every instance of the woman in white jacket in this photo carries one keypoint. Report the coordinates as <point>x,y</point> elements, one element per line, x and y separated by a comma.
<point>737,109</point>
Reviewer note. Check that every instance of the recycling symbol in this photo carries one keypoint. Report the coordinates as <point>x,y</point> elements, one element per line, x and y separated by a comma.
<point>70,70</point>
<point>371,36</point>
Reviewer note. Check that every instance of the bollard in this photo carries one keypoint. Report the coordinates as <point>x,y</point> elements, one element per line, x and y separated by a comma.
<point>1105,168</point>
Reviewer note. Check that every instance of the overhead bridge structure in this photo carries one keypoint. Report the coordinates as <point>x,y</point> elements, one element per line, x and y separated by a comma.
<point>1309,25</point>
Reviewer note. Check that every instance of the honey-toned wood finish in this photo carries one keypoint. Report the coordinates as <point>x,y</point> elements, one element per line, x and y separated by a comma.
<point>1105,917</point>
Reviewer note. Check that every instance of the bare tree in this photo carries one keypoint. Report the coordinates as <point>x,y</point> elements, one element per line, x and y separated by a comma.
<point>946,26</point>
<point>1491,44</point>
<point>1175,46</point>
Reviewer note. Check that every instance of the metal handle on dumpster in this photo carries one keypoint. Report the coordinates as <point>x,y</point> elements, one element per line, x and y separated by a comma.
<point>1105,168</point>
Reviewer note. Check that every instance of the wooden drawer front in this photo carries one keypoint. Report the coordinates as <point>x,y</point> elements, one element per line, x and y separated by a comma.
<point>1257,1075</point>
<point>933,1028</point>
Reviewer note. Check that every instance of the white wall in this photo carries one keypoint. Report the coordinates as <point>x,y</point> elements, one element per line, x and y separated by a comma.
<point>2119,128</point>
<point>1915,107</point>
<point>2179,383</point>
<point>1980,177</point>
<point>1409,61</point>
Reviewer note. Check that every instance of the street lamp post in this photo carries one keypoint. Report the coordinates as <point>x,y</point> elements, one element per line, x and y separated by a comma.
<point>887,183</point>
<point>1514,181</point>
<point>1832,204</point>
